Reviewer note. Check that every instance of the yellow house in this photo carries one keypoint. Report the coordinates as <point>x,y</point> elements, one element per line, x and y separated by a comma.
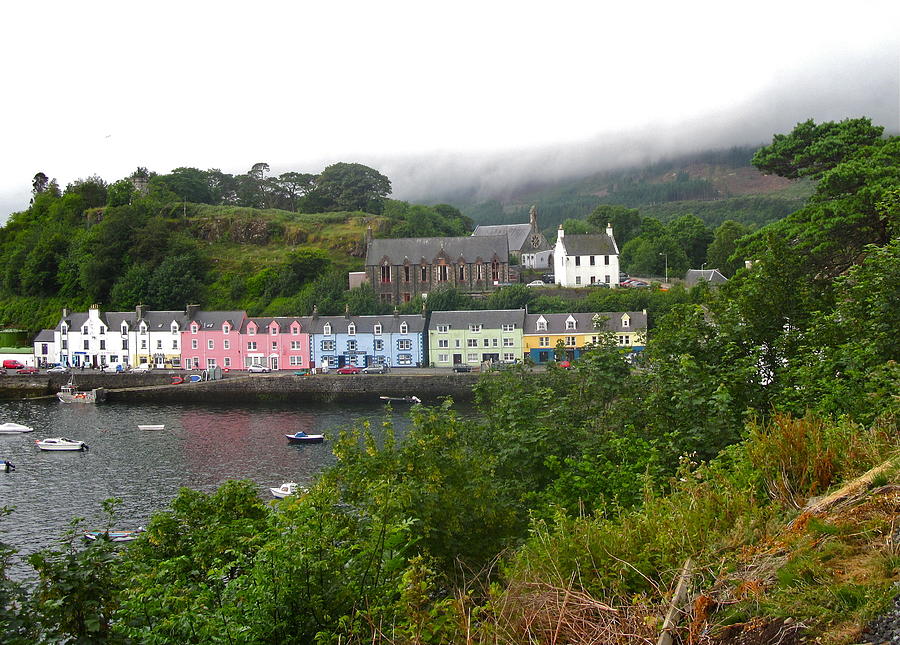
<point>543,332</point>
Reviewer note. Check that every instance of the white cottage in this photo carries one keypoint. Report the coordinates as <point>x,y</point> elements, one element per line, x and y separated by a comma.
<point>584,260</point>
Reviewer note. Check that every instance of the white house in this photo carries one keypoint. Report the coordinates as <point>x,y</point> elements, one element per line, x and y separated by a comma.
<point>90,340</point>
<point>583,260</point>
<point>46,351</point>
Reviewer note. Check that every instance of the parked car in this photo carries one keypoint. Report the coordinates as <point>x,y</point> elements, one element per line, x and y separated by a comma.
<point>536,283</point>
<point>143,367</point>
<point>12,364</point>
<point>376,369</point>
<point>548,278</point>
<point>28,370</point>
<point>58,369</point>
<point>258,369</point>
<point>564,364</point>
<point>462,367</point>
<point>348,369</point>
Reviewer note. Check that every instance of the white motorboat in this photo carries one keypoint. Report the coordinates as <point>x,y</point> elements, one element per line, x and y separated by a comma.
<point>60,443</point>
<point>114,536</point>
<point>285,490</point>
<point>156,426</point>
<point>68,394</point>
<point>14,428</point>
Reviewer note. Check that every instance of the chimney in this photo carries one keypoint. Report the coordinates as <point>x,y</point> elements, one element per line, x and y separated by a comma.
<point>315,313</point>
<point>139,312</point>
<point>347,311</point>
<point>560,233</point>
<point>609,229</point>
<point>65,312</point>
<point>190,311</point>
<point>369,235</point>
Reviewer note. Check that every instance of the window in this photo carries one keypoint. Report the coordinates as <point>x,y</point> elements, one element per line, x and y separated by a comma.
<point>295,361</point>
<point>472,342</point>
<point>45,349</point>
<point>65,330</point>
<point>593,263</point>
<point>327,345</point>
<point>542,325</point>
<point>495,271</point>
<point>570,341</point>
<point>226,329</point>
<point>508,327</point>
<point>508,342</point>
<point>481,271</point>
<point>577,279</point>
<point>194,343</point>
<point>443,358</point>
<point>251,345</point>
<point>226,344</point>
<point>487,342</point>
<point>174,344</point>
<point>327,329</point>
<point>385,273</point>
<point>404,359</point>
<point>625,321</point>
<point>124,343</point>
<point>124,330</point>
<point>351,345</point>
<point>210,344</point>
<point>377,329</point>
<point>404,344</point>
<point>443,329</point>
<point>472,358</point>
<point>351,329</point>
<point>274,346</point>
<point>606,279</point>
<point>84,330</point>
<point>594,339</point>
<point>251,330</point>
<point>424,273</point>
<point>570,324</point>
<point>102,344</point>
<point>625,339</point>
<point>462,272</point>
<point>407,297</point>
<point>509,357</point>
<point>159,344</point>
<point>65,344</point>
<point>406,274</point>
<point>210,363</point>
<point>295,345</point>
<point>442,273</point>
<point>578,260</point>
<point>143,329</point>
<point>103,331</point>
<point>379,345</point>
<point>457,342</point>
<point>295,331</point>
<point>143,344</point>
<point>227,361</point>
<point>544,341</point>
<point>193,329</point>
<point>273,330</point>
<point>605,259</point>
<point>475,328</point>
<point>404,328</point>
<point>174,328</point>
<point>444,342</point>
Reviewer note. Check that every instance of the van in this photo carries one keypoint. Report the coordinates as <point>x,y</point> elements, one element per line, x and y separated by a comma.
<point>12,365</point>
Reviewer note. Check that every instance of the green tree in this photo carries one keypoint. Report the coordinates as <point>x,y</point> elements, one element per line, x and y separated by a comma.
<point>692,235</point>
<point>353,187</point>
<point>189,184</point>
<point>626,222</point>
<point>720,252</point>
<point>39,183</point>
<point>120,193</point>
<point>92,190</point>
<point>516,296</point>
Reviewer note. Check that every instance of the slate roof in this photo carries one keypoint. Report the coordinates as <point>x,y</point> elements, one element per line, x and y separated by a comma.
<point>284,322</point>
<point>696,276</point>
<point>595,244</point>
<point>489,318</point>
<point>44,336</point>
<point>209,320</point>
<point>516,234</point>
<point>584,322</point>
<point>416,248</point>
<point>366,324</point>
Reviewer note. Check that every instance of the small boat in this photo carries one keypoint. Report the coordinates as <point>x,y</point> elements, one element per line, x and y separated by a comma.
<point>285,490</point>
<point>156,426</point>
<point>401,399</point>
<point>61,443</point>
<point>6,466</point>
<point>13,428</point>
<point>68,394</point>
<point>113,536</point>
<point>302,437</point>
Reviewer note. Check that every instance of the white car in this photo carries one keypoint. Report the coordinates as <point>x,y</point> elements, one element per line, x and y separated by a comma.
<point>143,367</point>
<point>536,283</point>
<point>58,369</point>
<point>258,369</point>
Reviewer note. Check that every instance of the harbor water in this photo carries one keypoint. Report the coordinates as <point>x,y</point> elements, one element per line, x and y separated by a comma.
<point>201,447</point>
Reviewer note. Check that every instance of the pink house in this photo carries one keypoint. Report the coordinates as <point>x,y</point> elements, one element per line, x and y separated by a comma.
<point>213,338</point>
<point>277,343</point>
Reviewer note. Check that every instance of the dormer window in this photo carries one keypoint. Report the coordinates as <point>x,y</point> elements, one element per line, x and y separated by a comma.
<point>327,329</point>
<point>404,328</point>
<point>542,325</point>
<point>351,329</point>
<point>194,329</point>
<point>570,324</point>
<point>273,330</point>
<point>475,328</point>
<point>64,329</point>
<point>143,329</point>
<point>377,329</point>
<point>124,330</point>
<point>295,330</point>
<point>226,328</point>
<point>251,330</point>
<point>174,328</point>
<point>625,321</point>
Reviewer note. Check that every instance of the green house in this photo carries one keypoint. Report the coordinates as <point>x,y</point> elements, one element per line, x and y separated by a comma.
<point>475,337</point>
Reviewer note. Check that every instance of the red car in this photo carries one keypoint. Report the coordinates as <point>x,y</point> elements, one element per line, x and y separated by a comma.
<point>348,369</point>
<point>28,370</point>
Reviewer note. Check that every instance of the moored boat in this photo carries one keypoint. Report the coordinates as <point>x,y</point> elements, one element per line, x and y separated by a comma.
<point>302,437</point>
<point>152,426</point>
<point>114,536</point>
<point>285,490</point>
<point>14,428</point>
<point>6,466</point>
<point>60,443</point>
<point>68,394</point>
<point>401,399</point>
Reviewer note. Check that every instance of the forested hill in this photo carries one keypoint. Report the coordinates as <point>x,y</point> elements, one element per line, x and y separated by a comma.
<point>146,240</point>
<point>715,186</point>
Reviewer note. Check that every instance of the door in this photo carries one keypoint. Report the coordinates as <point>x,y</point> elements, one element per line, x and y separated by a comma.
<point>457,359</point>
<point>273,363</point>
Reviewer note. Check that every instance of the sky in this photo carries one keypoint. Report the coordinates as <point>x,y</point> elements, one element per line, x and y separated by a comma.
<point>437,96</point>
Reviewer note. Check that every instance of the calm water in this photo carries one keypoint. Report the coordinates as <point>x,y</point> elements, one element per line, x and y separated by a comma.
<point>201,447</point>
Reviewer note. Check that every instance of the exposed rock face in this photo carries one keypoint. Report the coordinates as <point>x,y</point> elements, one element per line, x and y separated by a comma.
<point>238,230</point>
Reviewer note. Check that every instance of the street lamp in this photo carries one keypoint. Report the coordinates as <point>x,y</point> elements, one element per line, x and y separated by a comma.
<point>666,255</point>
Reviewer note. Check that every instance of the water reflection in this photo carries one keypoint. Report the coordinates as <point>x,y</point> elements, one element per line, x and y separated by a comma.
<point>201,447</point>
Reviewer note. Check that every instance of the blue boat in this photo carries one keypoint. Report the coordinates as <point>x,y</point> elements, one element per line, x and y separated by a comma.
<point>302,437</point>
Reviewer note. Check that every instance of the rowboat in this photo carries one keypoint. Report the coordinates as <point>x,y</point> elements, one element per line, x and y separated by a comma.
<point>156,426</point>
<point>113,536</point>
<point>14,428</point>
<point>285,490</point>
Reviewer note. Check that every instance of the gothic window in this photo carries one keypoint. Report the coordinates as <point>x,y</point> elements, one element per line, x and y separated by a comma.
<point>385,273</point>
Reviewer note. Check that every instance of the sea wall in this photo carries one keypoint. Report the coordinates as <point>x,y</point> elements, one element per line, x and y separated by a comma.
<point>156,386</point>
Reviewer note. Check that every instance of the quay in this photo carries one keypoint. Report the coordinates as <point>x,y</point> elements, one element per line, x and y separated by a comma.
<point>156,386</point>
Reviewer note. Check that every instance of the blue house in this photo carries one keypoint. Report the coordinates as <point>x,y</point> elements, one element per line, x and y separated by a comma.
<point>394,340</point>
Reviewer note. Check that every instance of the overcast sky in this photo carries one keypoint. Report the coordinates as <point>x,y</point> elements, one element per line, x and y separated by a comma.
<point>424,91</point>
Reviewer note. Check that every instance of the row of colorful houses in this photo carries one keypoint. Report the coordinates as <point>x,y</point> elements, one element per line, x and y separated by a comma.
<point>197,339</point>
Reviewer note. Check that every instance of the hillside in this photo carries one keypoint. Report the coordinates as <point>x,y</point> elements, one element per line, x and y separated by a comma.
<point>714,185</point>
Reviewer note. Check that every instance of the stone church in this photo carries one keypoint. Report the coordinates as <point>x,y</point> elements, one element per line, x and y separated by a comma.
<point>526,242</point>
